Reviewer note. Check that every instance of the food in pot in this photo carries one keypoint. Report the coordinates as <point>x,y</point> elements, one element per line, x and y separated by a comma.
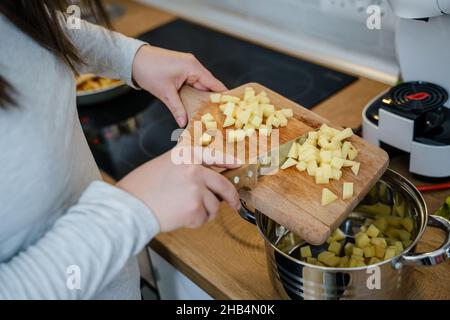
<point>89,82</point>
<point>444,211</point>
<point>378,239</point>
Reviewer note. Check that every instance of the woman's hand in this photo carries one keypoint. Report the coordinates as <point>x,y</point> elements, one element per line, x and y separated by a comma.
<point>183,195</point>
<point>162,73</point>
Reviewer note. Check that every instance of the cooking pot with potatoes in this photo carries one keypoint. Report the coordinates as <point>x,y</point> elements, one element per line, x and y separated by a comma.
<point>371,256</point>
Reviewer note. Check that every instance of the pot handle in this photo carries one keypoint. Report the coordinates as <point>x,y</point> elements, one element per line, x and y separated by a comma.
<point>429,258</point>
<point>246,213</point>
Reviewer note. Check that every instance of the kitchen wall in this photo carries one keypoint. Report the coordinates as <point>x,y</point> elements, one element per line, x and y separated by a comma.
<point>332,31</point>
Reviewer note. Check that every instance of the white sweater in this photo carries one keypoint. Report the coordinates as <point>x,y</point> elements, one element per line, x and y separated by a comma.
<point>56,215</point>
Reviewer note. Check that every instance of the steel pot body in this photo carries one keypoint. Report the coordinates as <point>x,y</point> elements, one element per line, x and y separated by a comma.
<point>390,279</point>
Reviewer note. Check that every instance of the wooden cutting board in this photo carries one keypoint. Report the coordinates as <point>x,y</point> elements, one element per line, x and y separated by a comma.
<point>290,197</point>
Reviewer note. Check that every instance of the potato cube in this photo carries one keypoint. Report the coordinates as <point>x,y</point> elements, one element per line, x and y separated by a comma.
<point>373,231</point>
<point>313,135</point>
<point>326,170</point>
<point>323,141</point>
<point>256,121</point>
<point>337,153</point>
<point>348,248</point>
<point>403,235</point>
<point>352,154</point>
<point>283,120</point>
<point>311,260</point>
<point>337,162</point>
<point>390,253</point>
<point>369,251</point>
<point>325,156</point>
<point>265,130</point>
<point>406,243</point>
<point>244,116</point>
<point>344,134</point>
<point>380,242</point>
<point>347,191</point>
<point>357,251</point>
<point>381,223</point>
<point>268,109</point>
<point>305,252</point>
<point>311,168</point>
<point>344,262</point>
<point>355,168</point>
<point>301,166</point>
<point>229,109</point>
<point>288,113</point>
<point>229,121</point>
<point>238,124</point>
<point>338,235</point>
<point>392,232</point>
<point>345,148</point>
<point>207,118</point>
<point>336,174</point>
<point>328,258</point>
<point>205,139</point>
<point>288,163</point>
<point>211,125</point>
<point>215,97</point>
<point>399,247</point>
<point>321,178</point>
<point>408,224</point>
<point>228,98</point>
<point>374,260</point>
<point>379,252</point>
<point>293,151</point>
<point>249,93</point>
<point>362,240</point>
<point>348,163</point>
<point>335,247</point>
<point>249,131</point>
<point>328,197</point>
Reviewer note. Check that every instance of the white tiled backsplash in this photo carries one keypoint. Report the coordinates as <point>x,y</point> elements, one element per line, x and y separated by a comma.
<point>332,31</point>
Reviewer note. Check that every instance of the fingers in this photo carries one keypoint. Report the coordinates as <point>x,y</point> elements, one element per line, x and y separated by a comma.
<point>211,204</point>
<point>221,187</point>
<point>173,102</point>
<point>204,79</point>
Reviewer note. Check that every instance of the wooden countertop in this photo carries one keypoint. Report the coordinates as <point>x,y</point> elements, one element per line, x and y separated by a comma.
<point>226,257</point>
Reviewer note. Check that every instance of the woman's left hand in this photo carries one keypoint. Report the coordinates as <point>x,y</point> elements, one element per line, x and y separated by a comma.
<point>163,72</point>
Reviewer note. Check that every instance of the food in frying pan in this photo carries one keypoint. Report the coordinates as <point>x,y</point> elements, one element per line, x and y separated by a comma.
<point>92,82</point>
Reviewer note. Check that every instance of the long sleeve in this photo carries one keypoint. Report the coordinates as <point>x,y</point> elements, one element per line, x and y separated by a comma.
<point>96,236</point>
<point>104,52</point>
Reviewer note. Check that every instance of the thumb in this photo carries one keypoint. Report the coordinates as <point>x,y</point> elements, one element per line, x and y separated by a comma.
<point>173,102</point>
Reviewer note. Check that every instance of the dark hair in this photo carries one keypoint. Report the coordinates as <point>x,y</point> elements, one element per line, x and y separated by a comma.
<point>39,19</point>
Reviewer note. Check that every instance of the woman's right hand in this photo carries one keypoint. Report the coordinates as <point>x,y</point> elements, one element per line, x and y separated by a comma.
<point>180,195</point>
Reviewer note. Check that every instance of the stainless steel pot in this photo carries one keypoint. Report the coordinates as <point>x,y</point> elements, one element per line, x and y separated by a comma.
<point>390,279</point>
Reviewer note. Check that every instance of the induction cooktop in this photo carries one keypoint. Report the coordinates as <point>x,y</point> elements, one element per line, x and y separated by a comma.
<point>132,129</point>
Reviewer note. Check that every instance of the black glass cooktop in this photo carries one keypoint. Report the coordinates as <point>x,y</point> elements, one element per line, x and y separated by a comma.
<point>127,131</point>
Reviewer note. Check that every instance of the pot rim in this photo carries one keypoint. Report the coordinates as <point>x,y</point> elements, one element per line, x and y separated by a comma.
<point>407,185</point>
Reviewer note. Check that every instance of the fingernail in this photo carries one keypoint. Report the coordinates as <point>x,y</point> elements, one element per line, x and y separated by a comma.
<point>181,121</point>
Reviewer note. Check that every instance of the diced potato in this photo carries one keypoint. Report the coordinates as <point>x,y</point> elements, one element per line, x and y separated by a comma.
<point>338,235</point>
<point>288,163</point>
<point>362,240</point>
<point>301,166</point>
<point>408,224</point>
<point>335,247</point>
<point>205,139</point>
<point>229,109</point>
<point>305,252</point>
<point>265,130</point>
<point>268,110</point>
<point>328,197</point>
<point>311,168</point>
<point>228,98</point>
<point>229,121</point>
<point>352,153</point>
<point>328,258</point>
<point>348,163</point>
<point>337,163</point>
<point>373,231</point>
<point>374,260</point>
<point>347,191</point>
<point>381,223</point>
<point>293,152</point>
<point>344,134</point>
<point>313,135</point>
<point>380,242</point>
<point>215,97</point>
<point>244,116</point>
<point>238,124</point>
<point>326,170</point>
<point>207,118</point>
<point>345,149</point>
<point>404,235</point>
<point>390,253</point>
<point>337,153</point>
<point>369,251</point>
<point>325,156</point>
<point>256,121</point>
<point>288,113</point>
<point>311,260</point>
<point>336,174</point>
<point>321,178</point>
<point>211,125</point>
<point>379,252</point>
<point>249,131</point>
<point>357,251</point>
<point>344,263</point>
<point>355,168</point>
<point>348,248</point>
<point>281,117</point>
<point>399,247</point>
<point>249,93</point>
